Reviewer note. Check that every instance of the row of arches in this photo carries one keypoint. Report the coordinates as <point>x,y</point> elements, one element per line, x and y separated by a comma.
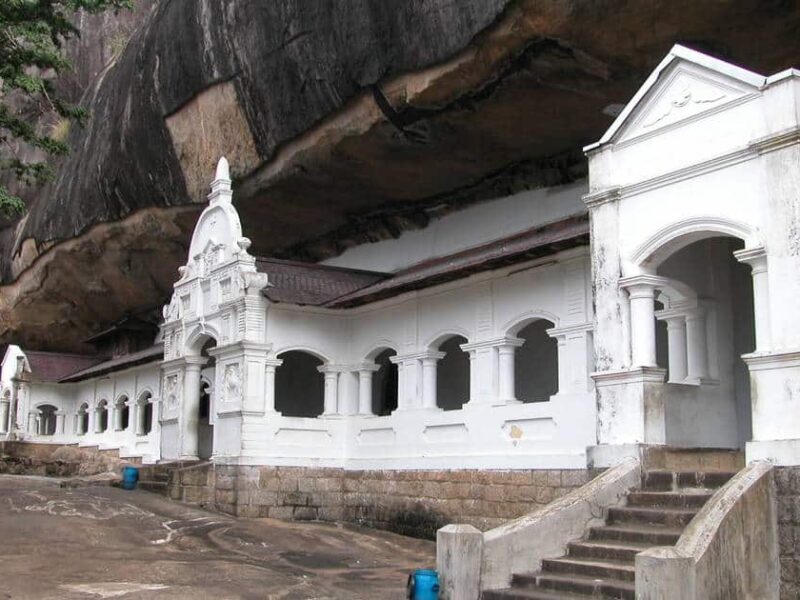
<point>300,386</point>
<point>116,416</point>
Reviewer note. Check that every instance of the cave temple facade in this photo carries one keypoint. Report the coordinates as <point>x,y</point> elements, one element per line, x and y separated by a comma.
<point>558,329</point>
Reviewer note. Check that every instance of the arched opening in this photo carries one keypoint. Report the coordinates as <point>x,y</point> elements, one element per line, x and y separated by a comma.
<point>700,344</point>
<point>299,386</point>
<point>121,414</point>
<point>47,419</point>
<point>144,414</point>
<point>384,384</point>
<point>82,421</point>
<point>536,363</point>
<point>452,374</point>
<point>101,417</point>
<point>205,415</point>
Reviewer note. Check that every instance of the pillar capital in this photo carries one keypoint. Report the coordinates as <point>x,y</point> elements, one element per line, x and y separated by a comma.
<point>755,257</point>
<point>642,286</point>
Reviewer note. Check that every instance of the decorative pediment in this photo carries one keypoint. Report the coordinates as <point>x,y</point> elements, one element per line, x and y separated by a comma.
<point>686,86</point>
<point>685,94</point>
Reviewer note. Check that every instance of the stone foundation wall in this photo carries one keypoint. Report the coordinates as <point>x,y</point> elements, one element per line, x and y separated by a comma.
<point>58,460</point>
<point>787,483</point>
<point>414,503</point>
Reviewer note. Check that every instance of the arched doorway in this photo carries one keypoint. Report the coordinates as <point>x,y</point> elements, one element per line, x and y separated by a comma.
<point>299,386</point>
<point>452,374</point>
<point>700,338</point>
<point>205,413</point>
<point>536,363</point>
<point>384,384</point>
<point>47,420</point>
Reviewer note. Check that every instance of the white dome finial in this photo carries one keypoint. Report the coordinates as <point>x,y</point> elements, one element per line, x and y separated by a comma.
<point>223,170</point>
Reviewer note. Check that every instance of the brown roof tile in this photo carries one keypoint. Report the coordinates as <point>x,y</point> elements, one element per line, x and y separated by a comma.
<point>527,245</point>
<point>48,367</point>
<point>312,284</point>
<point>116,364</point>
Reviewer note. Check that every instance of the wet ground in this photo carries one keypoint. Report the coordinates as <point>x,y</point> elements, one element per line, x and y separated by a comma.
<point>103,542</point>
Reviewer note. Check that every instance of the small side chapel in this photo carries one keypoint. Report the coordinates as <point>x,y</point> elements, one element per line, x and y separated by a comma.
<point>556,330</point>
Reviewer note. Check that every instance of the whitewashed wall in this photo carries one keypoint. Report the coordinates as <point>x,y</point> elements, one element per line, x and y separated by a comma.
<point>704,149</point>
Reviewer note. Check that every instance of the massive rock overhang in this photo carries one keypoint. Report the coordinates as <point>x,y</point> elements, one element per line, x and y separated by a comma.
<point>428,126</point>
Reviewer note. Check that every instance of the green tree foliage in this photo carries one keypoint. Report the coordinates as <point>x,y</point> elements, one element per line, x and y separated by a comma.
<point>32,33</point>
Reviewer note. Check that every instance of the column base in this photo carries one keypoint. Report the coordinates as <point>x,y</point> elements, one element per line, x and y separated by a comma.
<point>782,453</point>
<point>604,456</point>
<point>188,457</point>
<point>506,402</point>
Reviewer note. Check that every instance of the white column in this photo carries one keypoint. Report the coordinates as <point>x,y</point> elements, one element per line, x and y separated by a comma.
<point>117,416</point>
<point>506,358</point>
<point>365,389</point>
<point>676,342</point>
<point>473,375</point>
<point>60,417</point>
<point>4,413</point>
<point>402,403</point>
<point>32,422</point>
<point>696,345</point>
<point>189,409</point>
<point>347,393</point>
<point>757,259</point>
<point>140,415</point>
<point>643,324</point>
<point>269,383</point>
<point>429,370</point>
<point>331,390</point>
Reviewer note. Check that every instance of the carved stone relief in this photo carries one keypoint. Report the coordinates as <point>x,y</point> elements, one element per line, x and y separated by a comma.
<point>231,383</point>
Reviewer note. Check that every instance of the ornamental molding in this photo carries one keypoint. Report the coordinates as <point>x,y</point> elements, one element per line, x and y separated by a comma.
<point>765,145</point>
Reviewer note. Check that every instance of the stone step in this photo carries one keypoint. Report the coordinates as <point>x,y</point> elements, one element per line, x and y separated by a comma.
<point>160,487</point>
<point>530,594</point>
<point>693,459</point>
<point>669,517</point>
<point>676,499</point>
<point>596,587</point>
<point>653,535</point>
<point>606,549</point>
<point>657,480</point>
<point>608,569</point>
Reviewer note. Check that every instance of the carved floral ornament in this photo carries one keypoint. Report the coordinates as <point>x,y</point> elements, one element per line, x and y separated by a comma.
<point>681,97</point>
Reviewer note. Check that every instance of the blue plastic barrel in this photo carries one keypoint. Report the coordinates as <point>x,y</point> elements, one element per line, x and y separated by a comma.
<point>424,585</point>
<point>130,475</point>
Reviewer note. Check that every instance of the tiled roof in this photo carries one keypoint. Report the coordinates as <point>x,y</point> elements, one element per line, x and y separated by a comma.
<point>336,287</point>
<point>115,364</point>
<point>312,284</point>
<point>528,245</point>
<point>53,366</point>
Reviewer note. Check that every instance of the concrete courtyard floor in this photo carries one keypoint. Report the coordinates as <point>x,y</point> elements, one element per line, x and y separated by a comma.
<point>103,542</point>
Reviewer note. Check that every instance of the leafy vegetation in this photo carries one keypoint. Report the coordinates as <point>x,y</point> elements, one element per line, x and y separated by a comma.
<point>32,34</point>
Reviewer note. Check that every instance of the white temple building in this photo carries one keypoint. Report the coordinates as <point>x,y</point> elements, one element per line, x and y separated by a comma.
<point>560,329</point>
<point>520,332</point>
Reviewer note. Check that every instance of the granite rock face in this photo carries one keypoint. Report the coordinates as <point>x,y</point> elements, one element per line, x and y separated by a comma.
<point>345,122</point>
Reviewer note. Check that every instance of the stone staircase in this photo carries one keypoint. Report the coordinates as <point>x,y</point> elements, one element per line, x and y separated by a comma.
<point>156,477</point>
<point>184,481</point>
<point>601,565</point>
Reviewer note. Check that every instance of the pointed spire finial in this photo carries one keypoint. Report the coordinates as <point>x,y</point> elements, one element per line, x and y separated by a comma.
<point>223,170</point>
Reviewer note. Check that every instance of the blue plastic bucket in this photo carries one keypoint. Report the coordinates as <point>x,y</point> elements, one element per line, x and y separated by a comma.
<point>130,475</point>
<point>423,585</point>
